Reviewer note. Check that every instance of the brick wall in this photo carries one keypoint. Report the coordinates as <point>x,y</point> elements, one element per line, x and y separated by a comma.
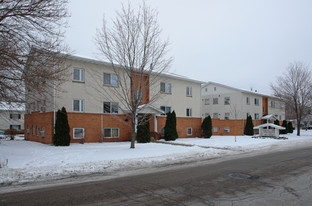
<point>239,124</point>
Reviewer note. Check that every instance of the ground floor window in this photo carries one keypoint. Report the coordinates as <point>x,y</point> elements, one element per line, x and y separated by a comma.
<point>189,131</point>
<point>215,129</point>
<point>111,132</point>
<point>16,127</point>
<point>226,129</point>
<point>42,132</point>
<point>78,133</point>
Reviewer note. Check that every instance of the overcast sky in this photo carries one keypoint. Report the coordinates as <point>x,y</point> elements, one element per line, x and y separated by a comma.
<point>241,43</point>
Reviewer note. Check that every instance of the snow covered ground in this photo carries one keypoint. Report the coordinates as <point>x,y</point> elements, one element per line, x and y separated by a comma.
<point>32,161</point>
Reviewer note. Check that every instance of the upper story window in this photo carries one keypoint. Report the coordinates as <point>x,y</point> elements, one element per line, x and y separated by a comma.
<point>256,116</point>
<point>138,95</point>
<point>78,75</point>
<point>165,87</point>
<point>281,105</point>
<point>189,112</point>
<point>215,115</point>
<point>207,101</point>
<point>15,116</point>
<point>78,105</point>
<point>247,100</point>
<point>16,127</point>
<point>227,100</point>
<point>273,104</point>
<point>165,109</point>
<point>215,100</point>
<point>110,79</point>
<point>257,101</point>
<point>110,107</point>
<point>215,88</point>
<point>188,91</point>
<point>227,116</point>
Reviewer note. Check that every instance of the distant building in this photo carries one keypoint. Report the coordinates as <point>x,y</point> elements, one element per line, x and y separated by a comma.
<point>11,116</point>
<point>229,107</point>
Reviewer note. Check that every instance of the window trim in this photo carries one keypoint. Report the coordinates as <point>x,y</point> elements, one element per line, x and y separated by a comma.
<point>166,85</point>
<point>189,92</point>
<point>187,131</point>
<point>110,79</point>
<point>111,129</point>
<point>165,107</point>
<point>217,101</point>
<point>110,108</point>
<point>227,102</point>
<point>257,101</point>
<point>81,75</point>
<point>207,101</point>
<point>81,106</point>
<point>190,112</point>
<point>83,133</point>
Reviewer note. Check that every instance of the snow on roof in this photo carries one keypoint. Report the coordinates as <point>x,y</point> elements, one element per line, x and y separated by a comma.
<point>145,109</point>
<point>12,106</point>
<point>269,116</point>
<point>269,125</point>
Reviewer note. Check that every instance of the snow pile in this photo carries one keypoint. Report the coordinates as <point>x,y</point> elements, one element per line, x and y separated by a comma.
<point>32,161</point>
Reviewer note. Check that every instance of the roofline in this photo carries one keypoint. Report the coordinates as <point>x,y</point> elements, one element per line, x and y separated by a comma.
<point>93,61</point>
<point>241,90</point>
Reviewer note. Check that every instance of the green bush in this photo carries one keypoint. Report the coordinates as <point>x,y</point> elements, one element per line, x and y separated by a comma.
<point>249,126</point>
<point>207,127</point>
<point>143,132</point>
<point>284,131</point>
<point>171,127</point>
<point>290,128</point>
<point>61,136</point>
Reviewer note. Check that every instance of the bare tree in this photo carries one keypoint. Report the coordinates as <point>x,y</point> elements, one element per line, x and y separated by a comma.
<point>294,87</point>
<point>30,35</point>
<point>134,47</point>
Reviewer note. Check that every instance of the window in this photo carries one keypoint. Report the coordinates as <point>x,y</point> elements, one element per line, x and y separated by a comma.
<point>256,116</point>
<point>111,79</point>
<point>188,91</point>
<point>188,112</point>
<point>37,130</point>
<point>207,114</point>
<point>215,88</point>
<point>227,100</point>
<point>111,133</point>
<point>227,116</point>
<point>78,105</point>
<point>215,115</point>
<point>78,75</point>
<point>227,129</point>
<point>165,87</point>
<point>205,89</point>
<point>189,131</point>
<point>33,130</point>
<point>16,127</point>
<point>27,130</point>
<point>247,101</point>
<point>42,132</point>
<point>256,101</point>
<point>248,114</point>
<point>15,116</point>
<point>78,133</point>
<point>273,104</point>
<point>215,129</point>
<point>281,105</point>
<point>165,109</point>
<point>110,107</point>
<point>215,100</point>
<point>207,101</point>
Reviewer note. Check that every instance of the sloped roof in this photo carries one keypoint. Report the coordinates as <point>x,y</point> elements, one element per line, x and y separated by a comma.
<point>269,125</point>
<point>148,108</point>
<point>12,106</point>
<point>239,90</point>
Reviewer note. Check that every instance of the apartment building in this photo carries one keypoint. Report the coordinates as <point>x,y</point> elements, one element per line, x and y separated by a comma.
<point>11,116</point>
<point>97,113</point>
<point>229,107</point>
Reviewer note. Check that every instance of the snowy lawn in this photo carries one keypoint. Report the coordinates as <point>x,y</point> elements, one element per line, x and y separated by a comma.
<point>32,161</point>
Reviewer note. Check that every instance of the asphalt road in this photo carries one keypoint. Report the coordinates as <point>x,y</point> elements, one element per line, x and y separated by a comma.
<point>280,178</point>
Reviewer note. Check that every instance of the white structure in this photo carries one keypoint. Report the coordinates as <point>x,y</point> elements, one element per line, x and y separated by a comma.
<point>11,116</point>
<point>269,130</point>
<point>225,102</point>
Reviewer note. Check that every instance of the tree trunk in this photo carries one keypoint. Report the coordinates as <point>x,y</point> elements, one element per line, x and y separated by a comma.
<point>133,132</point>
<point>298,127</point>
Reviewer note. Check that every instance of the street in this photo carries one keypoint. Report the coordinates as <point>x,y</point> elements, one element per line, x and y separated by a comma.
<point>277,178</point>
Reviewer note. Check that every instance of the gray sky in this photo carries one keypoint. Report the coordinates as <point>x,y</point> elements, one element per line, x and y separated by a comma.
<point>241,43</point>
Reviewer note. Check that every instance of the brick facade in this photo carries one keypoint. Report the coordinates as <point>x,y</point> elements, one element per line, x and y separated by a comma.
<point>239,124</point>
<point>94,124</point>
